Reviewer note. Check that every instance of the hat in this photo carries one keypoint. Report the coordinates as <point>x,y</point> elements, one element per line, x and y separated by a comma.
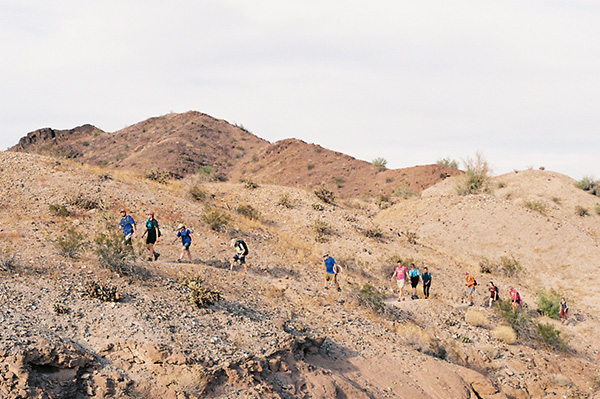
<point>181,226</point>
<point>123,211</point>
<point>151,213</point>
<point>325,254</point>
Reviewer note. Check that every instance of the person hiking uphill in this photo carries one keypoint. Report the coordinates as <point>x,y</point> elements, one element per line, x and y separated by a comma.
<point>415,277</point>
<point>564,309</point>
<point>186,241</point>
<point>426,277</point>
<point>494,297</point>
<point>127,225</point>
<point>515,299</point>
<point>241,250</point>
<point>153,232</point>
<point>470,287</point>
<point>400,275</point>
<point>331,272</point>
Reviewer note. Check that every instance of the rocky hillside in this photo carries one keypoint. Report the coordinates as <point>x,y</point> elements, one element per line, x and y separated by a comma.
<point>177,145</point>
<point>276,332</point>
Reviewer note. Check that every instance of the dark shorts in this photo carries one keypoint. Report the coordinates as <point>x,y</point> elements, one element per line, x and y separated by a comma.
<point>414,281</point>
<point>151,237</point>
<point>240,258</point>
<point>186,245</point>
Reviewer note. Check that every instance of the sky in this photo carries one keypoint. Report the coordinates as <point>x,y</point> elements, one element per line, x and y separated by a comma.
<point>409,81</point>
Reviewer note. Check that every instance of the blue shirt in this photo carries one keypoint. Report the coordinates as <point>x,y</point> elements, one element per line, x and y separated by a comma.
<point>414,273</point>
<point>127,224</point>
<point>329,262</point>
<point>426,278</point>
<point>185,236</point>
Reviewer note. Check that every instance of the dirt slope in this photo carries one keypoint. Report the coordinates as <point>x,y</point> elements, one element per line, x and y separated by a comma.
<point>277,332</point>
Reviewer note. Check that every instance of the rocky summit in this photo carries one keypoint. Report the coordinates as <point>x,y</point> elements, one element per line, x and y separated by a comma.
<point>84,316</point>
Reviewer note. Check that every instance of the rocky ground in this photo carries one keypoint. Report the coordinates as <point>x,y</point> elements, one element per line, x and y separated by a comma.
<point>277,332</point>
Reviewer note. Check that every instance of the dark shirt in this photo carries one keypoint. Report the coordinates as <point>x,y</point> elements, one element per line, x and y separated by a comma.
<point>426,278</point>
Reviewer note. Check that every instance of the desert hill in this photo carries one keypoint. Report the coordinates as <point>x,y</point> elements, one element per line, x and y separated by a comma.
<point>177,145</point>
<point>277,332</point>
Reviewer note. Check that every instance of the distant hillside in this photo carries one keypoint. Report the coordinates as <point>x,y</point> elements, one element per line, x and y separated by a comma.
<point>184,144</point>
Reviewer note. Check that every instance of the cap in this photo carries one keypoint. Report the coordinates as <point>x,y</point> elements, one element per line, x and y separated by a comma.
<point>151,213</point>
<point>181,226</point>
<point>123,211</point>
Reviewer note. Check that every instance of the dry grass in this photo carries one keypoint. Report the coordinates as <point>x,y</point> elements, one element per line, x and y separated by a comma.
<point>413,335</point>
<point>505,334</point>
<point>476,318</point>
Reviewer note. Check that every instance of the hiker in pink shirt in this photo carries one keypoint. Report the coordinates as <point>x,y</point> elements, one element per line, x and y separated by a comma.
<point>400,276</point>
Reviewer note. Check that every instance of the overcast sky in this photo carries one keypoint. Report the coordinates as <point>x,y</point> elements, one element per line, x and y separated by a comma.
<point>409,81</point>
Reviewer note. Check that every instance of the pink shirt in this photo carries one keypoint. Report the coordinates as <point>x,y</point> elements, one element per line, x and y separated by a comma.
<point>401,272</point>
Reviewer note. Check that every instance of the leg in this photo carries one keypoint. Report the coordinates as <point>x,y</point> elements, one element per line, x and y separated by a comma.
<point>189,254</point>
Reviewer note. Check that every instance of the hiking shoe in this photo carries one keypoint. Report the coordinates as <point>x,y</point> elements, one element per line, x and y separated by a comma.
<point>339,289</point>
<point>150,259</point>
<point>178,260</point>
<point>156,255</point>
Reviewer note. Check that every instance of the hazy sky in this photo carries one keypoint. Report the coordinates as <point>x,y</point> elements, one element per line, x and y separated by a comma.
<point>410,81</point>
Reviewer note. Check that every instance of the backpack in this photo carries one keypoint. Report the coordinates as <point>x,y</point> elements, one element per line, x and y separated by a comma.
<point>474,282</point>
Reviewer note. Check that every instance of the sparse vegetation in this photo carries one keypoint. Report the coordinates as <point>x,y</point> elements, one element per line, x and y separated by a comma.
<point>58,210</point>
<point>318,207</point>
<point>404,192</point>
<point>581,211</point>
<point>248,211</point>
<point>507,265</point>
<point>590,185</point>
<point>205,170</point>
<point>551,336</point>
<point>374,232</point>
<point>200,294</point>
<point>104,292</point>
<point>380,163</point>
<point>71,243</point>
<point>310,166</point>
<point>113,254</point>
<point>83,202</point>
<point>448,162</point>
<point>476,178</point>
<point>548,303</point>
<point>597,209</point>
<point>338,181</point>
<point>325,195</point>
<point>248,183</point>
<point>8,263</point>
<point>476,318</point>
<point>537,206</point>
<point>411,237</point>
<point>215,218</point>
<point>501,184</point>
<point>382,201</point>
<point>321,229</point>
<point>505,334</point>
<point>286,201</point>
<point>197,193</point>
<point>369,297</point>
<point>60,309</point>
<point>160,176</point>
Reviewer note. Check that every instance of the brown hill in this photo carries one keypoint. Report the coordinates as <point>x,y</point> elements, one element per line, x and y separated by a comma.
<point>177,145</point>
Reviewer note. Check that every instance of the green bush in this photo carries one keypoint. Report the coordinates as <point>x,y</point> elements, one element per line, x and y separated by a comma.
<point>537,206</point>
<point>476,178</point>
<point>71,243</point>
<point>551,336</point>
<point>548,303</point>
<point>113,254</point>
<point>369,297</point>
<point>200,295</point>
<point>380,163</point>
<point>216,219</point>
<point>248,211</point>
<point>382,201</point>
<point>448,162</point>
<point>160,176</point>
<point>325,195</point>
<point>404,192</point>
<point>374,232</point>
<point>286,201</point>
<point>589,184</point>
<point>197,193</point>
<point>58,210</point>
<point>321,230</point>
<point>248,183</point>
<point>104,292</point>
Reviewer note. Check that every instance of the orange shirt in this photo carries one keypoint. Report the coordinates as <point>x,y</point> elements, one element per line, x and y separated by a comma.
<point>470,281</point>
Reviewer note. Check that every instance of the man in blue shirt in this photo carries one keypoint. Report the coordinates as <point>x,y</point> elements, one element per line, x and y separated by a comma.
<point>186,241</point>
<point>331,272</point>
<point>127,225</point>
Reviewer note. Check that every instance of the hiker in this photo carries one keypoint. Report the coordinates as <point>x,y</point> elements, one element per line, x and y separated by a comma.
<point>515,299</point>
<point>241,250</point>
<point>564,309</point>
<point>493,294</point>
<point>153,232</point>
<point>471,283</point>
<point>400,274</point>
<point>186,241</point>
<point>127,225</point>
<point>331,272</point>
<point>426,278</point>
<point>415,276</point>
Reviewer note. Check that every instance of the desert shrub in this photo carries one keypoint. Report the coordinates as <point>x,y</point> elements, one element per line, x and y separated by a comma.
<point>8,263</point>
<point>112,254</point>
<point>501,184</point>
<point>197,193</point>
<point>369,297</point>
<point>581,211</point>
<point>551,336</point>
<point>286,201</point>
<point>448,162</point>
<point>476,177</point>
<point>324,194</point>
<point>205,170</point>
<point>410,236</point>
<point>382,201</point>
<point>508,266</point>
<point>83,202</point>
<point>476,318</point>
<point>321,230</point>
<point>537,206</point>
<point>548,302</point>
<point>374,232</point>
<point>517,320</point>
<point>60,309</point>
<point>248,183</point>
<point>380,163</point>
<point>71,243</point>
<point>589,184</point>
<point>505,334</point>
<point>160,176</point>
<point>248,211</point>
<point>404,192</point>
<point>420,340</point>
<point>338,181</point>
<point>58,210</point>
<point>200,294</point>
<point>104,292</point>
<point>597,209</point>
<point>310,166</point>
<point>318,207</point>
<point>215,218</point>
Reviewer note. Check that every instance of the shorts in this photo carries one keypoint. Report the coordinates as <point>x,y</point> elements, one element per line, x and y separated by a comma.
<point>241,258</point>
<point>400,283</point>
<point>127,238</point>
<point>151,237</point>
<point>330,276</point>
<point>471,290</point>
<point>414,281</point>
<point>186,245</point>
